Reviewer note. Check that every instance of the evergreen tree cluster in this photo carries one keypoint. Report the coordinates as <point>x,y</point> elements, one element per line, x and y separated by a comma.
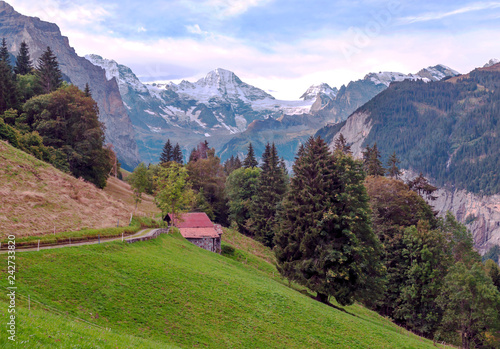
<point>170,153</point>
<point>56,123</point>
<point>325,240</point>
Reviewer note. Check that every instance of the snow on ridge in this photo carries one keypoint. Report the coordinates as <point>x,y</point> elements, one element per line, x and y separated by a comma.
<point>491,62</point>
<point>313,91</point>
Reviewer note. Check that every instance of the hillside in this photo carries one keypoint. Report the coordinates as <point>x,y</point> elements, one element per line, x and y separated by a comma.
<point>172,292</point>
<point>36,197</point>
<point>449,131</point>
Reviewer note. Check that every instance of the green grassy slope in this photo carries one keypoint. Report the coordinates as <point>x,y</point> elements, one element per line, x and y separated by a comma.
<point>38,328</point>
<point>169,291</point>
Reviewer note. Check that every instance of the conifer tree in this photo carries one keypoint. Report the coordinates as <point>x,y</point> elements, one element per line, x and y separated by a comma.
<point>371,159</point>
<point>341,145</point>
<point>271,187</point>
<point>4,53</point>
<point>48,72</point>
<point>167,153</point>
<point>421,185</point>
<point>250,159</point>
<point>87,91</point>
<point>325,241</point>
<point>24,65</point>
<point>8,89</point>
<point>232,164</point>
<point>193,156</point>
<point>177,154</point>
<point>392,166</point>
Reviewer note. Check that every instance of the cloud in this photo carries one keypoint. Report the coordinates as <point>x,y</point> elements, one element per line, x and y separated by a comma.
<point>224,8</point>
<point>195,29</point>
<point>141,30</point>
<point>67,14</point>
<point>432,16</point>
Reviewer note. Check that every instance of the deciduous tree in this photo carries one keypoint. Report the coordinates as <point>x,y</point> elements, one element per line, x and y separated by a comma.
<point>173,191</point>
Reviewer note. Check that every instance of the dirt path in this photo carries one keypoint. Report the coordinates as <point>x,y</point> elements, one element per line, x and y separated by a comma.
<point>139,233</point>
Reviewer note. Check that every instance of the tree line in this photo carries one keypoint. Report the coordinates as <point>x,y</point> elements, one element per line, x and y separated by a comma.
<point>350,231</point>
<point>50,119</point>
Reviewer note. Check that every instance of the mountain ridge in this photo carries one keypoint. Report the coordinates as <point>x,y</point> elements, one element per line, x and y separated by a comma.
<point>39,34</point>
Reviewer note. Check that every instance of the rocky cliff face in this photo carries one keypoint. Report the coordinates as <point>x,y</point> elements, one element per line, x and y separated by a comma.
<point>79,71</point>
<point>481,214</point>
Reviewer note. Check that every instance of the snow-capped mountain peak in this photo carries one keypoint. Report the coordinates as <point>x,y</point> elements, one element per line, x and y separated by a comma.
<point>491,62</point>
<point>323,88</point>
<point>386,78</point>
<point>437,72</point>
<point>220,84</point>
<point>124,76</point>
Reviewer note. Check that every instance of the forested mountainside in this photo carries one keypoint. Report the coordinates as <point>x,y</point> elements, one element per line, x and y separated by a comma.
<point>449,130</point>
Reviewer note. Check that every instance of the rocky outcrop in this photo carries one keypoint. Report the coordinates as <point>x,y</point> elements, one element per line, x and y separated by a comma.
<point>355,130</point>
<point>480,214</point>
<point>77,70</point>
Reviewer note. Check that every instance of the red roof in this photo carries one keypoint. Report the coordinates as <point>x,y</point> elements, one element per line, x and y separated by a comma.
<point>191,220</point>
<point>198,233</point>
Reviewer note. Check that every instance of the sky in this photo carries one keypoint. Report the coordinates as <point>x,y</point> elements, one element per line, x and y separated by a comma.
<point>281,46</point>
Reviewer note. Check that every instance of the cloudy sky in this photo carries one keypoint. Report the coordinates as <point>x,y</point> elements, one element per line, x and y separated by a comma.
<point>282,46</point>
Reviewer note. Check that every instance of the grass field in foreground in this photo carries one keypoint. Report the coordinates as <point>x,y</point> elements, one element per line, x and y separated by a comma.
<point>169,291</point>
<point>38,328</point>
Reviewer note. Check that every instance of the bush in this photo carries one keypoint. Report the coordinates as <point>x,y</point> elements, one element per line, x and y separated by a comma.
<point>227,250</point>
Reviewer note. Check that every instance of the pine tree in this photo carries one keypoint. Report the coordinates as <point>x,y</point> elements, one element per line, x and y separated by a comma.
<point>177,154</point>
<point>8,88</point>
<point>325,241</point>
<point>24,65</point>
<point>87,91</point>
<point>4,53</point>
<point>392,167</point>
<point>341,145</point>
<point>421,185</point>
<point>271,187</point>
<point>371,160</point>
<point>48,72</point>
<point>167,153</point>
<point>193,156</point>
<point>250,159</point>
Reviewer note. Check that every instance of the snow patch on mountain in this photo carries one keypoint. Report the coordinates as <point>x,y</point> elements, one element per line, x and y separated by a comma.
<point>385,78</point>
<point>438,72</point>
<point>323,88</point>
<point>491,62</point>
<point>428,74</point>
<point>123,75</point>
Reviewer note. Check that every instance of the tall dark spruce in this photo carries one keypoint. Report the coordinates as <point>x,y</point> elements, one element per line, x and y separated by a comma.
<point>48,72</point>
<point>8,90</point>
<point>24,65</point>
<point>271,187</point>
<point>167,153</point>
<point>250,159</point>
<point>325,241</point>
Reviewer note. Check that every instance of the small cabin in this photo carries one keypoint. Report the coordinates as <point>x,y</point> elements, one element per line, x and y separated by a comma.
<point>198,229</point>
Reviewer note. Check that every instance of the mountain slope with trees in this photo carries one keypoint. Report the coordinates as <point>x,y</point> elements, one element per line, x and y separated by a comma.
<point>448,130</point>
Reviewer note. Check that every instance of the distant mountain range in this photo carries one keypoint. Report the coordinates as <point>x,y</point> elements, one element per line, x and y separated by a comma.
<point>231,113</point>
